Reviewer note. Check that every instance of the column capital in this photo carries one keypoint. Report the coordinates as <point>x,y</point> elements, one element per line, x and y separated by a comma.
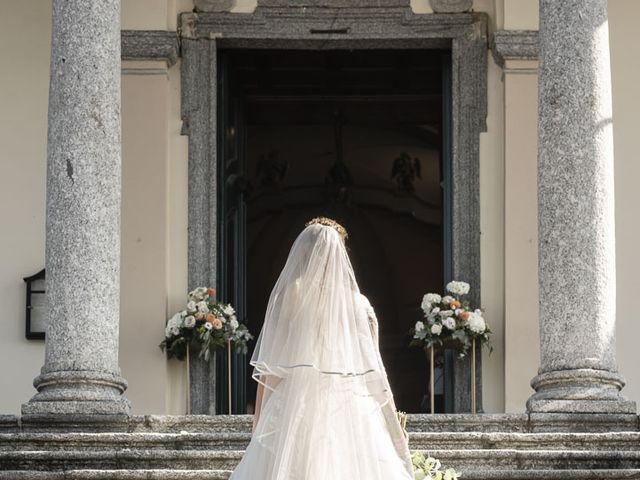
<point>514,45</point>
<point>213,5</point>
<point>451,6</point>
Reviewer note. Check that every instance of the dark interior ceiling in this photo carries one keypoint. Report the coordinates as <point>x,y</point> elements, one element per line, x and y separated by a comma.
<point>394,87</point>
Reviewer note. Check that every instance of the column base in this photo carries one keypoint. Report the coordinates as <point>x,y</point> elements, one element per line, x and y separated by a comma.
<point>579,391</point>
<point>78,392</point>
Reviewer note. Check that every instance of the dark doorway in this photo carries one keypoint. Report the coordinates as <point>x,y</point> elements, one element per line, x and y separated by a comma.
<point>360,136</point>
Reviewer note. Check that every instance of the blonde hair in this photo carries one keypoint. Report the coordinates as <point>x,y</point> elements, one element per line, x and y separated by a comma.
<point>329,222</point>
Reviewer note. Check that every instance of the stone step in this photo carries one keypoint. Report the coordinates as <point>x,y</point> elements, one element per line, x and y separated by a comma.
<point>127,459</point>
<point>618,441</point>
<point>171,474</point>
<point>474,460</point>
<point>461,459</point>
<point>130,441</point>
<point>225,440</point>
<point>117,475</point>
<point>480,423</point>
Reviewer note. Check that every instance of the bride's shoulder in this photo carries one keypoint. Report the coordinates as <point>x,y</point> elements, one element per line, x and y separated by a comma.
<point>361,297</point>
<point>364,301</point>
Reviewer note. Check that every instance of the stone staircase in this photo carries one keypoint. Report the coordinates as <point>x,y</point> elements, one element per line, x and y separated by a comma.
<point>208,447</point>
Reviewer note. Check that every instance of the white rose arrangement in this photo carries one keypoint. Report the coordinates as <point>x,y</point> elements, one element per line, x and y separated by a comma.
<point>428,468</point>
<point>207,324</point>
<point>450,319</point>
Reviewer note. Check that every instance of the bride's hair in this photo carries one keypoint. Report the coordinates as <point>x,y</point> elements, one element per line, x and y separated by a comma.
<point>329,222</point>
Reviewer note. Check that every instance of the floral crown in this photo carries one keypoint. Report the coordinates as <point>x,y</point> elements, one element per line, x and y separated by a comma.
<point>329,222</point>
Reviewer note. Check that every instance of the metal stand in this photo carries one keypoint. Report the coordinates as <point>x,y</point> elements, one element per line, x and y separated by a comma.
<point>432,375</point>
<point>432,388</point>
<point>188,382</point>
<point>473,377</point>
<point>229,371</point>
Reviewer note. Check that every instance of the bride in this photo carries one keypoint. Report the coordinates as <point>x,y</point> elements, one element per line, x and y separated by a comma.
<point>324,408</point>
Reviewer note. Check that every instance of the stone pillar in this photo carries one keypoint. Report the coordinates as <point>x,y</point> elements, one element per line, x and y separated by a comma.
<point>576,214</point>
<point>81,374</point>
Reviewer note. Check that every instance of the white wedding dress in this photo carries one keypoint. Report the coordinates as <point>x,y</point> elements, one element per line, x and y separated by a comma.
<point>327,412</point>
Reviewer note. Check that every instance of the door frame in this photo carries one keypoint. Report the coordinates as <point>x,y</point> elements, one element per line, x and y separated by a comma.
<point>276,25</point>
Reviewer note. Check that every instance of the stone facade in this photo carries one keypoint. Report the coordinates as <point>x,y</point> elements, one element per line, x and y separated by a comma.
<point>566,432</point>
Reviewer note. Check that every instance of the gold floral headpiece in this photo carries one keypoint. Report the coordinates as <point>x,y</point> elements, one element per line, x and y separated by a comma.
<point>329,222</point>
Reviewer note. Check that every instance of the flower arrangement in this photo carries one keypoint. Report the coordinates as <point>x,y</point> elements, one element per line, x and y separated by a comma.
<point>402,418</point>
<point>206,323</point>
<point>428,468</point>
<point>450,317</point>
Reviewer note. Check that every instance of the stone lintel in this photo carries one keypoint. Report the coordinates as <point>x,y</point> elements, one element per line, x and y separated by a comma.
<point>514,45</point>
<point>150,45</point>
<point>332,27</point>
<point>332,3</point>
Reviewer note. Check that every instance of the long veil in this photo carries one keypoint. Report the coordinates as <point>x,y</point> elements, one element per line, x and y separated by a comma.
<point>324,383</point>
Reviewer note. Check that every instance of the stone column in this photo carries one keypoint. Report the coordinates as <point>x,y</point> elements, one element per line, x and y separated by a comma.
<point>81,374</point>
<point>576,214</point>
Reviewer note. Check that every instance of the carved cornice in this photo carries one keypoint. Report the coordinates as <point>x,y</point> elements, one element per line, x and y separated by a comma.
<point>451,6</point>
<point>514,45</point>
<point>156,45</point>
<point>213,5</point>
<point>308,26</point>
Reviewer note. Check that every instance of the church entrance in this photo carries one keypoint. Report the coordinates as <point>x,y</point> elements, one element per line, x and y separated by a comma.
<point>361,136</point>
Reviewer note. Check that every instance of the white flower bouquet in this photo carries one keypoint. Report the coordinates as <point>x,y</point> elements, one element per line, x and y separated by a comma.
<point>207,324</point>
<point>450,319</point>
<point>428,468</point>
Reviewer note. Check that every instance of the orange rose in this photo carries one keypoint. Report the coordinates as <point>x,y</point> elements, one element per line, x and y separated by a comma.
<point>210,317</point>
<point>217,324</point>
<point>198,315</point>
<point>211,292</point>
<point>455,304</point>
<point>464,316</point>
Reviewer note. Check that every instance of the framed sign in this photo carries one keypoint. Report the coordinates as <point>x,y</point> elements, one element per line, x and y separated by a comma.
<point>35,306</point>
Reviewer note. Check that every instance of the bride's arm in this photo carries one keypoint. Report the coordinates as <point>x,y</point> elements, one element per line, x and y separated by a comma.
<point>271,382</point>
<point>256,415</point>
<point>373,325</point>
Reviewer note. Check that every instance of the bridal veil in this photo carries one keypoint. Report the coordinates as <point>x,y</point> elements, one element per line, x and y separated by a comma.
<point>325,388</point>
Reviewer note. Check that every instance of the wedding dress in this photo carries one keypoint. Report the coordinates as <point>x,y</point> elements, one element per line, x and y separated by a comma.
<point>327,411</point>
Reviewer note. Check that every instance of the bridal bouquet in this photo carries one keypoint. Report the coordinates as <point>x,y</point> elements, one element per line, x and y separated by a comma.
<point>450,317</point>
<point>207,324</point>
<point>428,468</point>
